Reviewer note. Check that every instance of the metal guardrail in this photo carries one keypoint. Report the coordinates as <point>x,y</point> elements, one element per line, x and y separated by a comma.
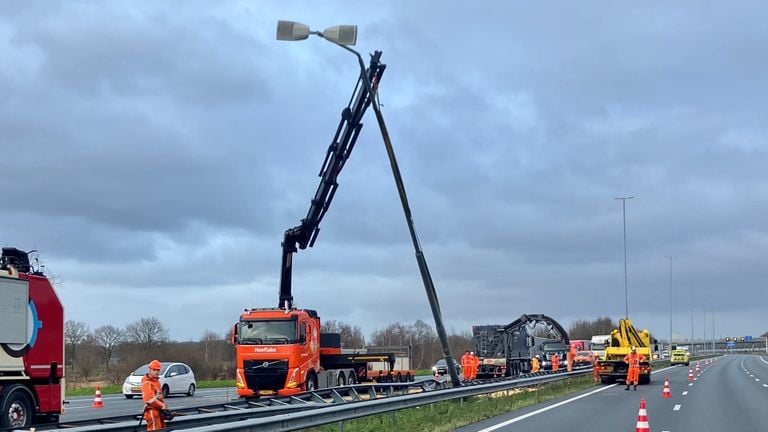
<point>311,409</point>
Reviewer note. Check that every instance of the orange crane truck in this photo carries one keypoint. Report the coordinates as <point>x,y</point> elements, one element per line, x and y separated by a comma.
<point>281,351</point>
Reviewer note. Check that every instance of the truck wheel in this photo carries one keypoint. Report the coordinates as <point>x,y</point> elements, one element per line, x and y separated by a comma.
<point>166,391</point>
<point>408,377</point>
<point>351,378</point>
<point>399,377</point>
<point>17,409</point>
<point>644,379</point>
<point>311,384</point>
<point>341,380</point>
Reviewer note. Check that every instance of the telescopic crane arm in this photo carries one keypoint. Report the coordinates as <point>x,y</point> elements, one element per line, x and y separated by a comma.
<point>305,234</point>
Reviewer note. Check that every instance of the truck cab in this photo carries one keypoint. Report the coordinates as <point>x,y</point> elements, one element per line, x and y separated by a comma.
<point>278,351</point>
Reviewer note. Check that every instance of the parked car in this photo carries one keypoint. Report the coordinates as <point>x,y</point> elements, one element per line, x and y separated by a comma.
<point>175,378</point>
<point>679,357</point>
<point>441,367</point>
<point>583,358</point>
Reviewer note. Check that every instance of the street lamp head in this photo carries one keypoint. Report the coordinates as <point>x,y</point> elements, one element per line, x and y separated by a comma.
<point>293,31</point>
<point>341,34</point>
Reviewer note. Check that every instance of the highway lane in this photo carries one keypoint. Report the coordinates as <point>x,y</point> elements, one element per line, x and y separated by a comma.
<point>79,408</point>
<point>722,397</point>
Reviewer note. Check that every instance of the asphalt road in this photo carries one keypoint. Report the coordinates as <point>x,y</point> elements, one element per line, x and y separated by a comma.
<point>730,394</point>
<point>79,408</point>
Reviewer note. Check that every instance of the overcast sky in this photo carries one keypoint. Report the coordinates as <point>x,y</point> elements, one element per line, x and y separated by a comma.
<point>155,152</point>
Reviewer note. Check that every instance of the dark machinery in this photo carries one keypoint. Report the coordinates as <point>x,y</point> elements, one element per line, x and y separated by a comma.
<point>507,350</point>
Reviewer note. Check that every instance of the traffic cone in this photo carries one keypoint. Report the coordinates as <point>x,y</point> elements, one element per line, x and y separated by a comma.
<point>642,419</point>
<point>690,374</point>
<point>97,403</point>
<point>698,368</point>
<point>666,393</point>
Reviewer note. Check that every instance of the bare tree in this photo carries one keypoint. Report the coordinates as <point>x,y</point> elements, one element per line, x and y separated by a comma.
<point>146,332</point>
<point>108,337</point>
<point>351,336</point>
<point>75,333</point>
<point>585,329</point>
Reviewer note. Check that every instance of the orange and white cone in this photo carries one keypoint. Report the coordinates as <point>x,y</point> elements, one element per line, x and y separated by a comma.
<point>642,419</point>
<point>666,393</point>
<point>97,403</point>
<point>690,374</point>
<point>698,368</point>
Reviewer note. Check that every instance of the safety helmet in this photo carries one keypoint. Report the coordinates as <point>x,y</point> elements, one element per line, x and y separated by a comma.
<point>472,352</point>
<point>155,364</point>
<point>634,349</point>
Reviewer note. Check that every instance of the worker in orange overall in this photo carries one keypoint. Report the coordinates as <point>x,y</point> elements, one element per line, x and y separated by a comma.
<point>152,394</point>
<point>475,364</point>
<point>555,362</point>
<point>595,370</point>
<point>633,359</point>
<point>466,366</point>
<point>535,364</point>
<point>569,357</point>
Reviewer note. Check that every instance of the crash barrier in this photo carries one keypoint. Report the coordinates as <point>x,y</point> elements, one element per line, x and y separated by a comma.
<point>325,406</point>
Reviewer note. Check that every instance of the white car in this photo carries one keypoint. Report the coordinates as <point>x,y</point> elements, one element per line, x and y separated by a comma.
<point>174,378</point>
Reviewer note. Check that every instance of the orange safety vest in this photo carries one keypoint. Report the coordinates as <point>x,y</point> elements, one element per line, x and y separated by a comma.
<point>634,360</point>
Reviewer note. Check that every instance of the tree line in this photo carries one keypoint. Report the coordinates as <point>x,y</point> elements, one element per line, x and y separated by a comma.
<point>109,353</point>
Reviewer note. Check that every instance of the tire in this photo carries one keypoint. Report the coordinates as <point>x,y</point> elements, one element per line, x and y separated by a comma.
<point>644,379</point>
<point>311,383</point>
<point>341,380</point>
<point>191,390</point>
<point>352,378</point>
<point>18,411</point>
<point>399,377</point>
<point>166,391</point>
<point>128,396</point>
<point>408,377</point>
<point>605,380</point>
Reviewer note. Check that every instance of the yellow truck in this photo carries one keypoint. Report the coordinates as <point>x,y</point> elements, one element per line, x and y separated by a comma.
<point>612,367</point>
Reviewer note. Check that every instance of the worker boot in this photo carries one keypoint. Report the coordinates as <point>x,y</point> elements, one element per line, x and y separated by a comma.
<point>635,387</point>
<point>627,387</point>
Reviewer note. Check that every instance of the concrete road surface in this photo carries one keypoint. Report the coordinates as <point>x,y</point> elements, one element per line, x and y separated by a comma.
<point>729,395</point>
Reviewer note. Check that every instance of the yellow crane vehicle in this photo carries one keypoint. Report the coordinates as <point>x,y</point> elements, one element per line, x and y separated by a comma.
<point>613,367</point>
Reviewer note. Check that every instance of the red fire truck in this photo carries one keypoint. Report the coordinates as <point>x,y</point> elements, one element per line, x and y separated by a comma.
<point>31,344</point>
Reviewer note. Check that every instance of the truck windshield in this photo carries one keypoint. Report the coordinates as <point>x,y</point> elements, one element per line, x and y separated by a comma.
<point>268,332</point>
<point>598,346</point>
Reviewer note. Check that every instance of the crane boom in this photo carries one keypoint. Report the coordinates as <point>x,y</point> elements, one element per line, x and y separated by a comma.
<point>305,234</point>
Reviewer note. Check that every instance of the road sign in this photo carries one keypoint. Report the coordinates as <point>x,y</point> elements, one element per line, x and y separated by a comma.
<point>731,345</point>
<point>748,338</point>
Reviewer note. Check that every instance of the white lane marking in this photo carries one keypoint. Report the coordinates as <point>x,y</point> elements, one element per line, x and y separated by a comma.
<point>757,379</point>
<point>765,385</point>
<point>685,393</point>
<point>677,407</point>
<point>763,360</point>
<point>539,411</point>
<point>690,384</point>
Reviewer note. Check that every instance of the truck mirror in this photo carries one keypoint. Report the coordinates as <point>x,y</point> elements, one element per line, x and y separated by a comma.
<point>656,347</point>
<point>234,335</point>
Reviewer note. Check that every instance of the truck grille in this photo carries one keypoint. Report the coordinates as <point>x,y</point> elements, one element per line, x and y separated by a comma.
<point>265,374</point>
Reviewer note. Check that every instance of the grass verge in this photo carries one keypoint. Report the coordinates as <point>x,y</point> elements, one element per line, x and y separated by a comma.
<point>450,415</point>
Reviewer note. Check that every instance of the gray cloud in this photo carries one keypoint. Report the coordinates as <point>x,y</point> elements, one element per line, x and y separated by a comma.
<point>164,147</point>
